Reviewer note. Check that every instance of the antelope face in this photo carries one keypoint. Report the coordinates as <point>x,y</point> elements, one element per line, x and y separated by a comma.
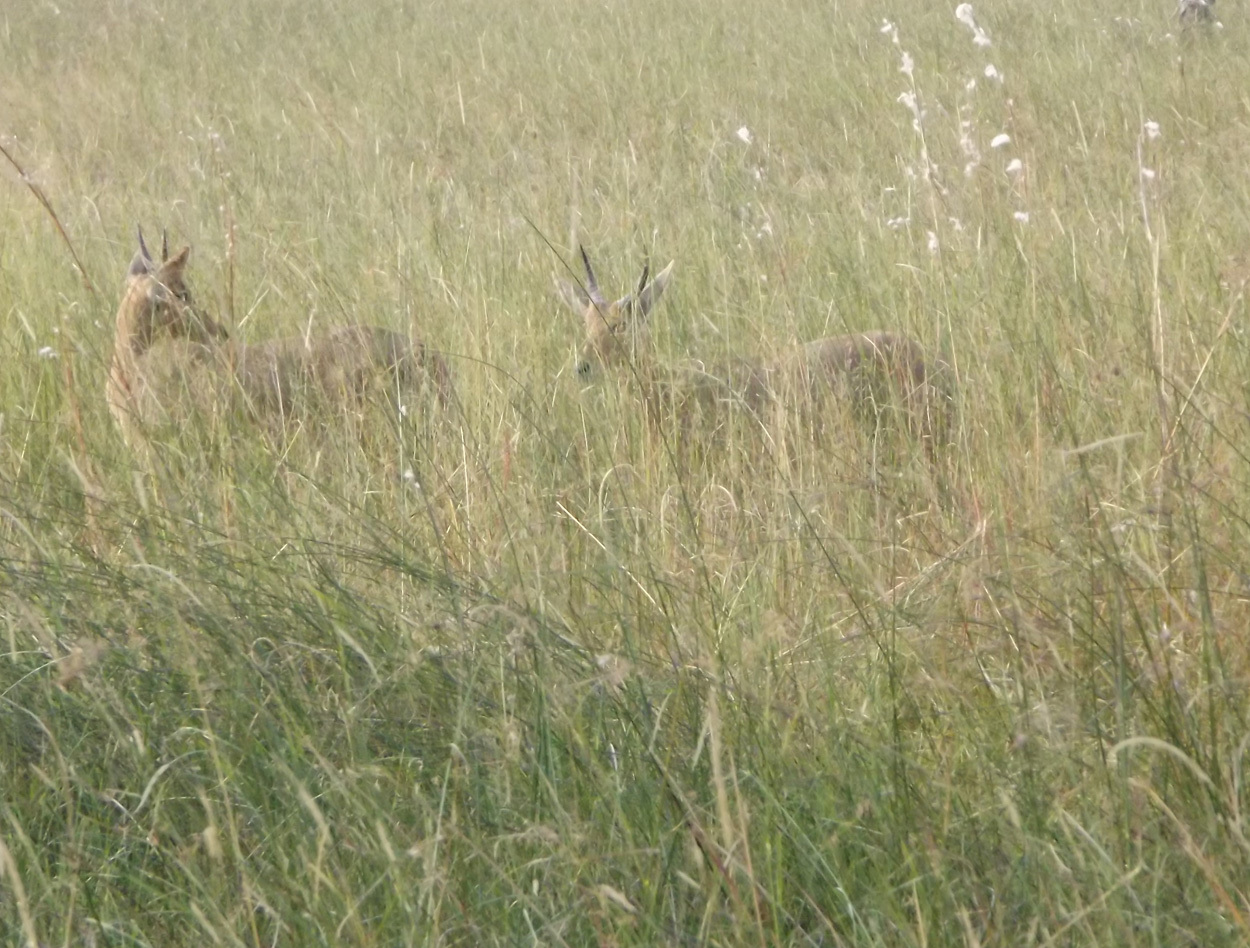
<point>159,300</point>
<point>617,333</point>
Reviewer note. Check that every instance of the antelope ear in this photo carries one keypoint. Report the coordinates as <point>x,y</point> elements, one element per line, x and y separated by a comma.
<point>650,295</point>
<point>573,296</point>
<point>177,263</point>
<point>139,266</point>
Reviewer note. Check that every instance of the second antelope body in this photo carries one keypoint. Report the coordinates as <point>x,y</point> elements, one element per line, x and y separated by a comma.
<point>870,369</point>
<point>171,360</point>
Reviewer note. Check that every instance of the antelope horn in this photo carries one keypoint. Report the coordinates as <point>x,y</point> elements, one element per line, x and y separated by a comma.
<point>642,284</point>
<point>592,285</point>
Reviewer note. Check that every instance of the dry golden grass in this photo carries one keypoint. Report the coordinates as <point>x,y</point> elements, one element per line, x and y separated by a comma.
<point>528,670</point>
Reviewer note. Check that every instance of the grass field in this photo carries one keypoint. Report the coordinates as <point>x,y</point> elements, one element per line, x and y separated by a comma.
<point>526,671</point>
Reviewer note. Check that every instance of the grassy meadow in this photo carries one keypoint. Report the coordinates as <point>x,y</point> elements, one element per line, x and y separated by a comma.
<point>529,671</point>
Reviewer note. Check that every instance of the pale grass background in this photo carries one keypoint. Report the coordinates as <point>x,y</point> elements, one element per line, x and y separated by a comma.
<point>511,673</point>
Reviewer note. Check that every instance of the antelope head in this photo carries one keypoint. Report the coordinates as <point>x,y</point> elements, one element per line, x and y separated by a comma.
<point>617,332</point>
<point>158,301</point>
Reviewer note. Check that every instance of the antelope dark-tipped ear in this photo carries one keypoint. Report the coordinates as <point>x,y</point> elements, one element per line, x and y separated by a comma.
<point>573,296</point>
<point>177,263</point>
<point>139,266</point>
<point>650,295</point>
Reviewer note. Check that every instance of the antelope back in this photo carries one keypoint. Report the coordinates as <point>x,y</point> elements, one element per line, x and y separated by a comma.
<point>876,370</point>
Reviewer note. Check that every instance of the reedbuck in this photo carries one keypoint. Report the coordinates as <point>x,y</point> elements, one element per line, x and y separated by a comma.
<point>171,359</point>
<point>870,371</point>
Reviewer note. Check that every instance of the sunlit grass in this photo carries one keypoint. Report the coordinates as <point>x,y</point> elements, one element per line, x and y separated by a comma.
<point>529,670</point>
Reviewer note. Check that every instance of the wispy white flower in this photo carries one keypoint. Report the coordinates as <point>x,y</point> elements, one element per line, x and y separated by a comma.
<point>908,65</point>
<point>1015,166</point>
<point>970,85</point>
<point>933,243</point>
<point>965,137</point>
<point>744,135</point>
<point>47,352</point>
<point>963,13</point>
<point>1021,216</point>
<point>969,146</point>
<point>908,100</point>
<point>1148,174</point>
<point>895,223</point>
<point>1001,140</point>
<point>1152,130</point>
<point>890,29</point>
<point>991,72</point>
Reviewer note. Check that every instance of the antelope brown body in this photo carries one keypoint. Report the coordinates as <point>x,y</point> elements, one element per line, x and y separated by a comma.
<point>171,359</point>
<point>865,369</point>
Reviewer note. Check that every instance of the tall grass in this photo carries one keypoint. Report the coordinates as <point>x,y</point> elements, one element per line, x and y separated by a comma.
<point>528,671</point>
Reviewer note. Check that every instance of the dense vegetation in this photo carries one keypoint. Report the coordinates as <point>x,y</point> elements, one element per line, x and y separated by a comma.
<point>528,670</point>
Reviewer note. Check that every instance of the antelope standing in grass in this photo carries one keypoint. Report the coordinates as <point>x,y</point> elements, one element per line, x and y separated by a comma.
<point>868,371</point>
<point>171,359</point>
